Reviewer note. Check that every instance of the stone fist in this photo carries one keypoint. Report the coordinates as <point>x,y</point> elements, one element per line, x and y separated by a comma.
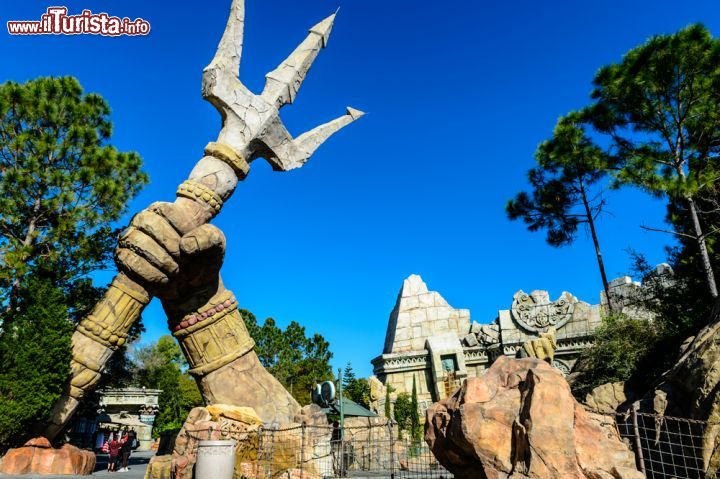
<point>164,252</point>
<point>171,251</point>
<point>542,348</point>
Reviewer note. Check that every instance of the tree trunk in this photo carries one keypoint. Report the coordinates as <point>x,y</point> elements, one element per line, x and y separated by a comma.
<point>15,288</point>
<point>598,253</point>
<point>702,248</point>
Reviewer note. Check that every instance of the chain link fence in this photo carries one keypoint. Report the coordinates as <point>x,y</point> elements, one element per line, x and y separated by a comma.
<point>305,452</point>
<point>665,447</point>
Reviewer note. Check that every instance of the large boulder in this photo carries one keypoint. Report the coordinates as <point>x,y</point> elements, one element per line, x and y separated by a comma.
<point>520,420</point>
<point>215,422</point>
<point>609,397</point>
<point>38,457</point>
<point>295,446</point>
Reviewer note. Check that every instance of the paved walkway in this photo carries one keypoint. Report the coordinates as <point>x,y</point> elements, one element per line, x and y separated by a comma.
<point>138,464</point>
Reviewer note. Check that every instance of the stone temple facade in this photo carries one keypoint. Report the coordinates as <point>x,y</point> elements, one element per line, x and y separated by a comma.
<point>439,346</point>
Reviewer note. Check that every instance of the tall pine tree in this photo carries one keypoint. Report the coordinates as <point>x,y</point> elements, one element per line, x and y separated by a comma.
<point>62,184</point>
<point>567,189</point>
<point>660,110</point>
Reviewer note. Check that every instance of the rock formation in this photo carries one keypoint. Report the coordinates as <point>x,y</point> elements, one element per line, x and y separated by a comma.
<point>520,420</point>
<point>608,398</point>
<point>37,456</point>
<point>692,390</point>
<point>308,449</point>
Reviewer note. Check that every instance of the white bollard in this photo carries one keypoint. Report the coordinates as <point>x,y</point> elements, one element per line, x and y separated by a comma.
<point>215,460</point>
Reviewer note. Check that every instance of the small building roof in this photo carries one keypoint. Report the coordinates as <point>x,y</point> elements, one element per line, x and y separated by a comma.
<point>350,409</point>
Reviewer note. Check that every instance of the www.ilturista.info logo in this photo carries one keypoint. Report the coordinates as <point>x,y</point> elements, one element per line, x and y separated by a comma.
<point>56,21</point>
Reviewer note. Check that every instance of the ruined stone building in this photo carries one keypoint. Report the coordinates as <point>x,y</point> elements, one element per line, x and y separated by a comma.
<point>119,409</point>
<point>439,346</point>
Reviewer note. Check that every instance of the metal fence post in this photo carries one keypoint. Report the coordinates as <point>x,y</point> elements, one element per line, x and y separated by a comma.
<point>638,442</point>
<point>392,450</point>
<point>302,447</point>
<point>259,451</point>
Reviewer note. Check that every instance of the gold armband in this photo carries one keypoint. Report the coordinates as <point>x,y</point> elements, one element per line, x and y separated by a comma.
<point>227,154</point>
<point>195,190</point>
<point>213,336</point>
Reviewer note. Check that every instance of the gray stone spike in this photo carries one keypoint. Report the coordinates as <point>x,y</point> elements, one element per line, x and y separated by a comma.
<point>283,83</point>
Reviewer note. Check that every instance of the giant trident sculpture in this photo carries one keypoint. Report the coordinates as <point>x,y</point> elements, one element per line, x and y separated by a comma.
<point>170,251</point>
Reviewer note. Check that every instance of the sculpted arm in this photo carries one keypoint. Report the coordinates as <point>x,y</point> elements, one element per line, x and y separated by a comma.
<point>171,252</point>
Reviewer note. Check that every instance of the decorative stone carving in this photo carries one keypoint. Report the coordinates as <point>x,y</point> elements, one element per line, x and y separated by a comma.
<point>534,312</point>
<point>171,252</point>
<point>520,330</point>
<point>562,366</point>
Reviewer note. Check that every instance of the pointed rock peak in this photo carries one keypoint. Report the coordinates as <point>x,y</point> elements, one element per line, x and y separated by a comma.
<point>354,113</point>
<point>413,286</point>
<point>324,28</point>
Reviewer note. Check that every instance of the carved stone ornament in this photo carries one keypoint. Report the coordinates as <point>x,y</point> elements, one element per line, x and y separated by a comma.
<point>535,313</point>
<point>562,366</point>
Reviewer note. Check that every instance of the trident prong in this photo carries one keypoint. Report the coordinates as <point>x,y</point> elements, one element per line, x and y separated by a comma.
<point>251,123</point>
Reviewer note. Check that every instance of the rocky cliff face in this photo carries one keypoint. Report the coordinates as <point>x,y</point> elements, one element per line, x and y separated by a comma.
<point>520,420</point>
<point>692,390</point>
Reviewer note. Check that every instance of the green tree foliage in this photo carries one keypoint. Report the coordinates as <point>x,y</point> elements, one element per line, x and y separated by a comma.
<point>61,186</point>
<point>61,183</point>
<point>660,109</point>
<point>388,390</point>
<point>348,375</point>
<point>403,412</point>
<point>296,360</point>
<point>161,365</point>
<point>355,389</point>
<point>621,346</point>
<point>566,186</point>
<point>415,427</point>
<point>638,351</point>
<point>35,357</point>
<point>655,115</point>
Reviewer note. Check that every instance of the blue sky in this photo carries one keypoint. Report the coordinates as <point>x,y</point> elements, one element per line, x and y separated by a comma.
<point>459,93</point>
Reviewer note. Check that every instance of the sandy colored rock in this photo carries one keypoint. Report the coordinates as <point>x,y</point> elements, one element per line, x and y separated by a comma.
<point>41,442</point>
<point>692,390</point>
<point>606,398</point>
<point>160,467</point>
<point>246,470</point>
<point>245,415</point>
<point>297,474</point>
<point>217,422</point>
<point>44,460</point>
<point>520,420</point>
